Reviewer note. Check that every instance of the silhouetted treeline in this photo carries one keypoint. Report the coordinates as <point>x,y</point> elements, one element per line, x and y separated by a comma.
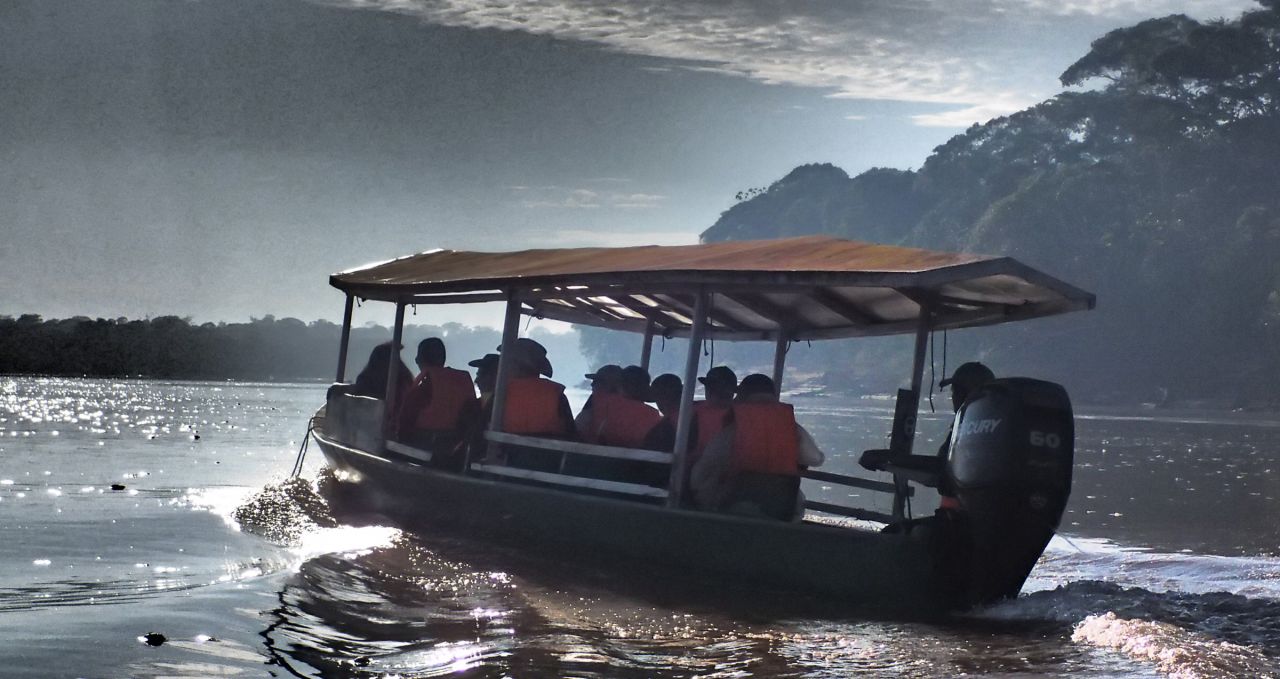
<point>1159,190</point>
<point>266,348</point>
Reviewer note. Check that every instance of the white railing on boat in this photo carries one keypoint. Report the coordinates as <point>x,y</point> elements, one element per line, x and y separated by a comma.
<point>865,484</point>
<point>575,481</point>
<point>577,448</point>
<point>580,448</point>
<point>853,482</point>
<point>409,451</point>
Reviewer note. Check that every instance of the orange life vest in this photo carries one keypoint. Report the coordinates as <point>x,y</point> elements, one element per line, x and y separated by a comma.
<point>619,421</point>
<point>710,421</point>
<point>765,439</point>
<point>533,407</point>
<point>450,391</point>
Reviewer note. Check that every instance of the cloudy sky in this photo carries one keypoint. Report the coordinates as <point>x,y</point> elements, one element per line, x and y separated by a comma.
<point>219,158</point>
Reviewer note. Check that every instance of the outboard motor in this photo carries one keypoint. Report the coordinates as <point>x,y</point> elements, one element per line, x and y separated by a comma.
<point>1009,466</point>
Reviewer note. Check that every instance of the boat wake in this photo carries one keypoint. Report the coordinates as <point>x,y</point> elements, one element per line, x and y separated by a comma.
<point>284,512</point>
<point>294,515</point>
<point>1173,650</point>
<point>1186,615</point>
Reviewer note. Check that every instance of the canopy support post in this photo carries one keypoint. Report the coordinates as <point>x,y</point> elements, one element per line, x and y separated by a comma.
<point>780,358</point>
<point>510,332</point>
<point>393,362</point>
<point>917,379</point>
<point>917,364</point>
<point>346,339</point>
<point>646,350</point>
<point>680,456</point>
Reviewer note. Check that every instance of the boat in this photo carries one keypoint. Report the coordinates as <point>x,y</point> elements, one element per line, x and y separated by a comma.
<point>1010,457</point>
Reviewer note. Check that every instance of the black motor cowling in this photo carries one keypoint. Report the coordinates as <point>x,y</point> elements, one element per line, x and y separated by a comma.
<point>1009,468</point>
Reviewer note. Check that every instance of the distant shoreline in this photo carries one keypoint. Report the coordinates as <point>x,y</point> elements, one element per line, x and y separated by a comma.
<point>802,391</point>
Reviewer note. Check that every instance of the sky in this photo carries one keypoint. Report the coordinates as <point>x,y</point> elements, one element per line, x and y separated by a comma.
<point>219,159</point>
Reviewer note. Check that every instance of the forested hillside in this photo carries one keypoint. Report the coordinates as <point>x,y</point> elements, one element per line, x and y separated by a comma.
<point>1155,184</point>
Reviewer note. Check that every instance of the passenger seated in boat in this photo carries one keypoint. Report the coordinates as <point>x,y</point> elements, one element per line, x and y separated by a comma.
<point>486,377</point>
<point>606,380</point>
<point>474,418</point>
<point>431,414</point>
<point>753,465</point>
<point>372,380</point>
<point>709,414</point>
<point>718,388</point>
<point>930,470</point>
<point>535,407</point>
<point>665,391</point>
<point>621,418</point>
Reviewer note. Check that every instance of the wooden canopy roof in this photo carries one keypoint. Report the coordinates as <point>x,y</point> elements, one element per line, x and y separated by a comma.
<point>802,288</point>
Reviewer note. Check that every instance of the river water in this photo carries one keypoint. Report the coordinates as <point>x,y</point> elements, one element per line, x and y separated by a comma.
<point>1169,562</point>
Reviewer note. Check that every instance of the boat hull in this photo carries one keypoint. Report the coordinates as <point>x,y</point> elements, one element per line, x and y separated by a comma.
<point>860,568</point>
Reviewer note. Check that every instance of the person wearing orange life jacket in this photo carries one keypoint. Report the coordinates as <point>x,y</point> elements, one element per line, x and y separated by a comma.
<point>623,418</point>
<point>709,415</point>
<point>753,465</point>
<point>437,395</point>
<point>604,381</point>
<point>616,419</point>
<point>430,415</point>
<point>534,407</point>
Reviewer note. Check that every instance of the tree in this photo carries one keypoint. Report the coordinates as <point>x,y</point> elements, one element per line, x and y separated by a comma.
<point>1156,190</point>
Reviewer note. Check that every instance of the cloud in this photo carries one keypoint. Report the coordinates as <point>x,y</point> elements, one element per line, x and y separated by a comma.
<point>616,239</point>
<point>556,197</point>
<point>632,201</point>
<point>575,199</point>
<point>1128,10</point>
<point>969,115</point>
<point>984,56</point>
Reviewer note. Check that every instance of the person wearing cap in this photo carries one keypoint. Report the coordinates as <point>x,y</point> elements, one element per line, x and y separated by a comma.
<point>753,465</point>
<point>618,419</point>
<point>709,414</point>
<point>534,407</point>
<point>486,376</point>
<point>621,418</point>
<point>605,380</point>
<point>929,469</point>
<point>474,416</point>
<point>966,380</point>
<point>431,414</point>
